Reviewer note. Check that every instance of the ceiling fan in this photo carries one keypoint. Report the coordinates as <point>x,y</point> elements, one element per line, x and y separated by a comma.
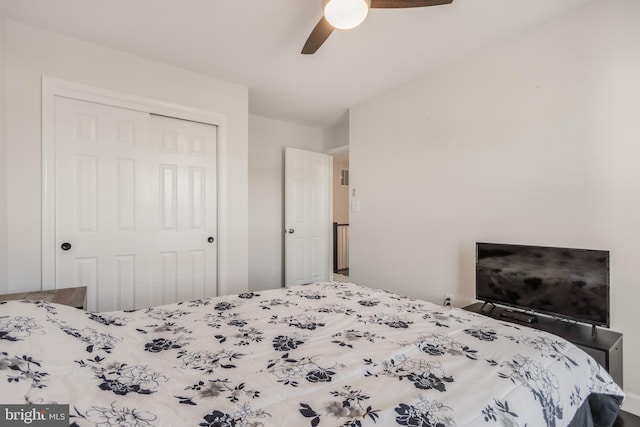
<point>347,14</point>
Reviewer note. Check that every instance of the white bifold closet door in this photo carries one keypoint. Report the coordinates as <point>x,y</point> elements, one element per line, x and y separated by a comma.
<point>135,206</point>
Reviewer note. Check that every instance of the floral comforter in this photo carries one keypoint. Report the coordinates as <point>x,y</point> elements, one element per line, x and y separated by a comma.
<point>327,354</point>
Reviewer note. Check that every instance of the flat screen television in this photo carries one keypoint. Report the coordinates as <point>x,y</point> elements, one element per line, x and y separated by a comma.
<point>563,282</point>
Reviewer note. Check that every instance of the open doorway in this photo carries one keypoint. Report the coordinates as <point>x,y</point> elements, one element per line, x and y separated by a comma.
<point>341,215</point>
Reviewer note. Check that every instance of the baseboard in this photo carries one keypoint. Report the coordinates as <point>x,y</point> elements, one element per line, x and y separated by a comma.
<point>632,403</point>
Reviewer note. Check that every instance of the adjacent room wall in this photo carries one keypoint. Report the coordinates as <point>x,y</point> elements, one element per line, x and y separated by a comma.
<point>4,288</point>
<point>32,53</point>
<point>340,192</point>
<point>267,140</point>
<point>534,141</point>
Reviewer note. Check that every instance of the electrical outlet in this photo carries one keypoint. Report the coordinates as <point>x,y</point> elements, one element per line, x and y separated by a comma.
<point>448,300</point>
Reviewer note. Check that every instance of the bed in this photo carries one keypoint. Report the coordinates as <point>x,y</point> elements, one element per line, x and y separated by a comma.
<point>324,354</point>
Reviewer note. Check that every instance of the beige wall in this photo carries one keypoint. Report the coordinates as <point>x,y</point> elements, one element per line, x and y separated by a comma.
<point>267,140</point>
<point>535,140</point>
<point>340,192</point>
<point>336,137</point>
<point>31,54</point>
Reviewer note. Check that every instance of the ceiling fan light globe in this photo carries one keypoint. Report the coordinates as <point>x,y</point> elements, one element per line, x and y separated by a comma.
<point>346,14</point>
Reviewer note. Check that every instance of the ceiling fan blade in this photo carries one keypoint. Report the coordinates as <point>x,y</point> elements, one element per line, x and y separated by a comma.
<point>320,33</point>
<point>393,4</point>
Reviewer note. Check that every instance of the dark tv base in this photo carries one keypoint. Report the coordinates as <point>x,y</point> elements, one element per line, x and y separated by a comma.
<point>605,346</point>
<point>520,316</point>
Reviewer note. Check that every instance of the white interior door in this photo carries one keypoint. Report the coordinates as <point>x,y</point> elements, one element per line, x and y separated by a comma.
<point>111,189</point>
<point>307,216</point>
<point>186,256</point>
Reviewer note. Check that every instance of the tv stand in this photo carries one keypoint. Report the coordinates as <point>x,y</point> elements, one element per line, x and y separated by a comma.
<point>605,346</point>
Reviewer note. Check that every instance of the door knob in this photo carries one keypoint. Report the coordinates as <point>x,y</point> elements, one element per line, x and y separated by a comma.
<point>290,231</point>
<point>211,239</point>
<point>65,246</point>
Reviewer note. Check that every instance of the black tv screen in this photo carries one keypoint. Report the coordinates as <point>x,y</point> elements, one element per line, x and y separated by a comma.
<point>563,282</point>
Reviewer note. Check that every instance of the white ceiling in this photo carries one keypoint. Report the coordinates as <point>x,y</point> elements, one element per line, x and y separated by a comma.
<point>257,43</point>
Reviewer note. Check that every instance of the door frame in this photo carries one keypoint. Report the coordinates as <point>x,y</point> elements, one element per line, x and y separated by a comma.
<point>52,87</point>
<point>332,152</point>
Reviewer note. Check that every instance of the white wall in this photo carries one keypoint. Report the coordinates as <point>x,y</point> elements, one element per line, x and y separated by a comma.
<point>4,288</point>
<point>267,140</point>
<point>32,53</point>
<point>337,135</point>
<point>535,141</point>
